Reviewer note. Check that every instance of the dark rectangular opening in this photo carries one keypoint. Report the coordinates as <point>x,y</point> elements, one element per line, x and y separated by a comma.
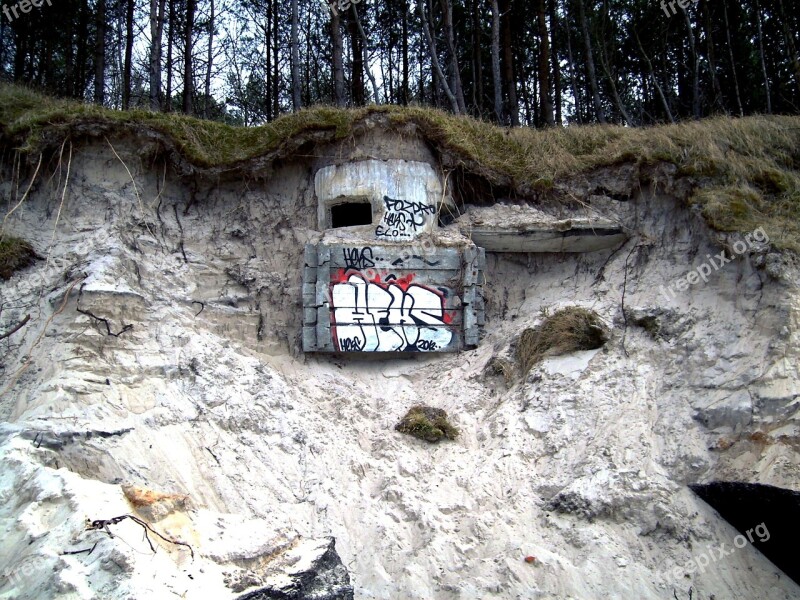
<point>348,214</point>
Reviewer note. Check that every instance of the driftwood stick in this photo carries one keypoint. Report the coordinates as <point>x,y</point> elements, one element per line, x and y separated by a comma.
<point>86,551</point>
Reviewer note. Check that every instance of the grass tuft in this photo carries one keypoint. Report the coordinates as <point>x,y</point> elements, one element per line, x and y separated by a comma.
<point>567,330</point>
<point>427,423</point>
<point>15,254</point>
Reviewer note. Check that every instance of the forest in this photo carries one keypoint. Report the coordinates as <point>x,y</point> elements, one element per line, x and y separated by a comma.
<point>532,63</point>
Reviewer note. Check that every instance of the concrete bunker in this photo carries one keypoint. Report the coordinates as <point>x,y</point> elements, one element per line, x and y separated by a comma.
<point>399,267</point>
<point>384,276</point>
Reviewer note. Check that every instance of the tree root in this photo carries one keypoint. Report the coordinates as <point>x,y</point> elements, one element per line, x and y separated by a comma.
<point>16,328</point>
<point>103,524</point>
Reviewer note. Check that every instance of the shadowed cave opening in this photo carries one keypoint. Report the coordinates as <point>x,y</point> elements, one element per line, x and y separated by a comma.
<point>764,513</point>
<point>348,214</point>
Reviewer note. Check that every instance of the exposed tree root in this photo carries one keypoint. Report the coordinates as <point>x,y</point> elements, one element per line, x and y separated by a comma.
<point>24,196</point>
<point>103,524</point>
<point>16,328</point>
<point>27,362</point>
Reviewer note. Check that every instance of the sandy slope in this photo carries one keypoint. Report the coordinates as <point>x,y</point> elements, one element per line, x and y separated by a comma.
<point>583,464</point>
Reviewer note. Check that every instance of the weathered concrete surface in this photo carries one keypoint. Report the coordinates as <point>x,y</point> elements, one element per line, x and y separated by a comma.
<point>405,195</point>
<point>522,228</point>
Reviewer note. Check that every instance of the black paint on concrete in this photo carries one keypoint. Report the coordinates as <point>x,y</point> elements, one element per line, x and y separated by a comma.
<point>748,505</point>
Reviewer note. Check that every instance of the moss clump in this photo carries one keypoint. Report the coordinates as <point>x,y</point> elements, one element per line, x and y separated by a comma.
<point>427,423</point>
<point>15,254</point>
<point>570,329</point>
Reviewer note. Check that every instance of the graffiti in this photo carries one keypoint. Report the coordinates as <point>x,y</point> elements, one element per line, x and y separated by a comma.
<point>402,218</point>
<point>396,315</point>
<point>358,259</point>
<point>350,345</point>
<point>430,263</point>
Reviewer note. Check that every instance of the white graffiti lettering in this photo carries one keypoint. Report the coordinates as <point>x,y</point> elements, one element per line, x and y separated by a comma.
<point>372,317</point>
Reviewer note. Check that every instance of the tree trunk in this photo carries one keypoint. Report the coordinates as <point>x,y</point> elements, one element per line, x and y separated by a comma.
<point>295,67</point>
<point>498,90</point>
<point>663,98</point>
<point>209,63</point>
<point>307,62</point>
<point>169,66</point>
<point>614,91</point>
<point>794,58</point>
<point>365,51</point>
<point>3,46</point>
<point>556,66</point>
<point>188,73</point>
<point>156,29</point>
<point>761,55</point>
<point>276,74</point>
<point>390,95</point>
<point>404,42</point>
<point>268,59</point>
<point>508,63</point>
<point>733,62</point>
<point>592,74</point>
<point>530,116</point>
<point>573,76</point>
<point>696,67</point>
<point>438,90</point>
<point>545,105</point>
<point>100,53</point>
<point>604,62</point>
<point>338,62</point>
<point>712,62</point>
<point>19,52</point>
<point>69,71</point>
<point>126,76</point>
<point>477,60</point>
<point>81,56</point>
<point>421,87</point>
<point>356,62</point>
<point>455,74</point>
<point>435,60</point>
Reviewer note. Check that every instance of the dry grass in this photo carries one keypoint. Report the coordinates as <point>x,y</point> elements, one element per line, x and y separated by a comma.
<point>747,169</point>
<point>15,254</point>
<point>427,423</point>
<point>569,329</point>
<point>499,366</point>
